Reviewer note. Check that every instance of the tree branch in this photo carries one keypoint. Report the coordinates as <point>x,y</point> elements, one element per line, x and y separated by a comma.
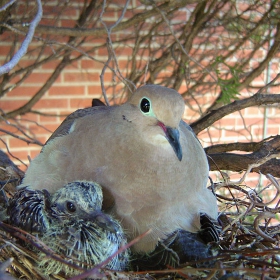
<point>240,162</point>
<point>24,46</point>
<point>64,62</point>
<point>257,99</point>
<point>83,32</point>
<point>238,146</point>
<point>27,107</point>
<point>271,53</point>
<point>7,5</point>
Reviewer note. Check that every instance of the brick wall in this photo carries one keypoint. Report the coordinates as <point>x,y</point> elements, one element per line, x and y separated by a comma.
<point>80,82</point>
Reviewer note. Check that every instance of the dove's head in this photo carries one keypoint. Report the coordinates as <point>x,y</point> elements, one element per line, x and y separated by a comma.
<point>162,107</point>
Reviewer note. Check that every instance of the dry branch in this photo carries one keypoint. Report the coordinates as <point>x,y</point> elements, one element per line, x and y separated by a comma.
<point>240,162</point>
<point>24,46</point>
<point>255,100</point>
<point>83,32</point>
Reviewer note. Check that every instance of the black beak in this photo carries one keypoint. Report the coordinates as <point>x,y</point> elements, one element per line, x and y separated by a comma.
<point>105,221</point>
<point>173,135</point>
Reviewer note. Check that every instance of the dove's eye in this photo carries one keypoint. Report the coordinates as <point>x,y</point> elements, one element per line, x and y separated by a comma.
<point>70,206</point>
<point>145,105</point>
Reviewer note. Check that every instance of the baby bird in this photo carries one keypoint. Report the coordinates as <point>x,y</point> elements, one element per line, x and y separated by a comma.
<point>71,223</point>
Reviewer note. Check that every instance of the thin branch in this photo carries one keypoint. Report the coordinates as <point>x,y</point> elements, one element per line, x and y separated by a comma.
<point>81,32</point>
<point>24,46</point>
<point>27,107</point>
<point>263,160</point>
<point>237,146</point>
<point>8,151</point>
<point>110,48</point>
<point>21,138</point>
<point>271,53</point>
<point>257,99</point>
<point>181,46</point>
<point>261,216</point>
<point>7,5</point>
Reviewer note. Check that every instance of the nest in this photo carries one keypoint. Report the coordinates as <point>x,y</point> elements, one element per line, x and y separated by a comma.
<point>248,246</point>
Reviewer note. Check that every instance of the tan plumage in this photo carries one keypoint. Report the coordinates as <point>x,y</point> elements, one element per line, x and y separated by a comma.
<point>150,164</point>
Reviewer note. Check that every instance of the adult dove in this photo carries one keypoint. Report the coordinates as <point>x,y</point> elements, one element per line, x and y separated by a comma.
<point>151,166</point>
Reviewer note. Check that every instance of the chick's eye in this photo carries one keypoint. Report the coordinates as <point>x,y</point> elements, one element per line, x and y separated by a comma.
<point>70,206</point>
<point>145,105</point>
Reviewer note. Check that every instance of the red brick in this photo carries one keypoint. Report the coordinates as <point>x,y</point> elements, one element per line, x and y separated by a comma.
<point>80,77</point>
<point>124,64</point>
<point>126,51</point>
<point>80,102</point>
<point>47,119</point>
<point>67,23</point>
<point>34,153</point>
<point>51,103</point>
<point>47,21</point>
<point>46,129</point>
<point>37,78</point>
<point>108,77</point>
<point>253,111</point>
<point>64,114</point>
<point>248,121</point>
<point>116,90</point>
<point>273,130</point>
<point>275,90</point>
<point>43,139</point>
<point>50,64</point>
<point>8,127</point>
<point>25,62</point>
<point>228,122</point>
<point>71,11</point>
<point>103,51</point>
<point>21,154</point>
<point>231,133</point>
<point>24,91</point>
<point>181,16</point>
<point>95,90</point>
<point>66,90</point>
<point>4,50</point>
<point>29,117</point>
<point>7,37</point>
<point>74,65</point>
<point>14,80</point>
<point>90,64</point>
<point>9,105</point>
<point>16,143</point>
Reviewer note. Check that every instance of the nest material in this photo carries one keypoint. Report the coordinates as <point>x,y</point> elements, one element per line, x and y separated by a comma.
<point>248,246</point>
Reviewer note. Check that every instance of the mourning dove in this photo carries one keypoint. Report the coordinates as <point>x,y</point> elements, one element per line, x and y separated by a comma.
<point>71,223</point>
<point>151,166</point>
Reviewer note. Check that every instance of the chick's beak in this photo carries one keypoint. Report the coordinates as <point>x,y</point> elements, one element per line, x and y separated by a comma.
<point>105,221</point>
